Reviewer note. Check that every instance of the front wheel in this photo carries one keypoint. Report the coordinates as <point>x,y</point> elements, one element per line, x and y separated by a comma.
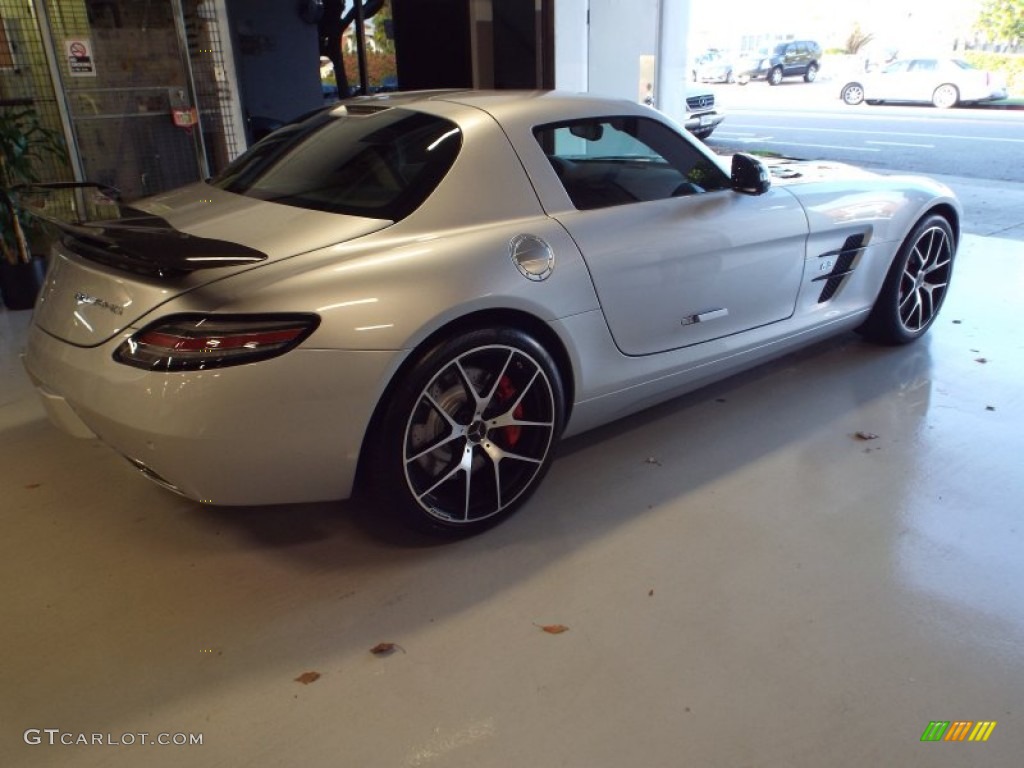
<point>915,286</point>
<point>945,96</point>
<point>775,76</point>
<point>852,94</point>
<point>811,74</point>
<point>469,432</point>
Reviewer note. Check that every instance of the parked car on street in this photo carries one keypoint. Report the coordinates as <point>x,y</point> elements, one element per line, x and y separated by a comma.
<point>944,82</point>
<point>708,56</point>
<point>796,58</point>
<point>702,113</point>
<point>419,294</point>
<point>716,68</point>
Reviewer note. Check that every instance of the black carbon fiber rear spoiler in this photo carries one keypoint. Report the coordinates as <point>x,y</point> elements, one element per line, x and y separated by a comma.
<point>95,225</point>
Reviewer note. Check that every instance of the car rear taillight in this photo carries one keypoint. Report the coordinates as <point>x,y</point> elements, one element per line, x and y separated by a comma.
<point>198,342</point>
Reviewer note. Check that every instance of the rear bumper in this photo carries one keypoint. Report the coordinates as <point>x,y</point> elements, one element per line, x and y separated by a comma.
<point>997,94</point>
<point>279,431</point>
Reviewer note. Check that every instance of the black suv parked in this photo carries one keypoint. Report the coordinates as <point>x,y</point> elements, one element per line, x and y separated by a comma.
<point>799,58</point>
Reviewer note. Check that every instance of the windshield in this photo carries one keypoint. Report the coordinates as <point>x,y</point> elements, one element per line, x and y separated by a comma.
<point>382,165</point>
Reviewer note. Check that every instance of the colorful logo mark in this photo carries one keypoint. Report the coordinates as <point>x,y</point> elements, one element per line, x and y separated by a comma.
<point>958,730</point>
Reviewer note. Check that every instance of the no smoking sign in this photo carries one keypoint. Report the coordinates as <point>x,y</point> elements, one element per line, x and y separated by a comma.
<point>79,56</point>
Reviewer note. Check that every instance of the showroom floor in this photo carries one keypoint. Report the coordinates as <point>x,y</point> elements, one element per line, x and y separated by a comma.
<point>744,582</point>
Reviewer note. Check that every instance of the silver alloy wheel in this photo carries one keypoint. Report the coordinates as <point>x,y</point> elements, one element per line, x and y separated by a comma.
<point>811,74</point>
<point>479,434</point>
<point>775,76</point>
<point>946,96</point>
<point>853,94</point>
<point>925,279</point>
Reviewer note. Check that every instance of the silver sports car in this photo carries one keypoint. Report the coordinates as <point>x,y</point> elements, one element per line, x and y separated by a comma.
<point>418,295</point>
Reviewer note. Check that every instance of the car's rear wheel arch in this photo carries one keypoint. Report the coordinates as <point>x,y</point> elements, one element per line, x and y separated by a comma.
<point>475,321</point>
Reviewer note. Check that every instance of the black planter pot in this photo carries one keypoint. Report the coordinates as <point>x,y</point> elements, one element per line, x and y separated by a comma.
<point>20,283</point>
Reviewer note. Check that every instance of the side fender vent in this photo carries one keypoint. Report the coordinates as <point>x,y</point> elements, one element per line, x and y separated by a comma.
<point>842,267</point>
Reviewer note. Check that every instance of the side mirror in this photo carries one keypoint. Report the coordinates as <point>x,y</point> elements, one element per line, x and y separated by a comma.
<point>749,176</point>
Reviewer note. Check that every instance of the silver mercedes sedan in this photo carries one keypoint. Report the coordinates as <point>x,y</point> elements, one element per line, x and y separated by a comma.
<point>417,295</point>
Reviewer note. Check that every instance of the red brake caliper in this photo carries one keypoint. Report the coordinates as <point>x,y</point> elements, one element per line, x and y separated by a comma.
<point>506,392</point>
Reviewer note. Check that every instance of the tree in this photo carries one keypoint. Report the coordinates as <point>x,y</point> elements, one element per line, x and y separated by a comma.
<point>331,29</point>
<point>381,30</point>
<point>857,40</point>
<point>1002,21</point>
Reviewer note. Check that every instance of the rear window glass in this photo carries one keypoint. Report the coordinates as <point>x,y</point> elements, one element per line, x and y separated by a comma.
<point>382,165</point>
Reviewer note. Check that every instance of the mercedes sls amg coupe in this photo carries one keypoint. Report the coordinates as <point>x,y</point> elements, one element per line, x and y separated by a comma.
<point>417,295</point>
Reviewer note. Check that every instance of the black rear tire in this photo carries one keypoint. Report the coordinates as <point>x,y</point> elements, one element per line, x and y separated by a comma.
<point>469,432</point>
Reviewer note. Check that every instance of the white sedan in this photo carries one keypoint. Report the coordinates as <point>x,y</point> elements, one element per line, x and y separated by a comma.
<point>942,82</point>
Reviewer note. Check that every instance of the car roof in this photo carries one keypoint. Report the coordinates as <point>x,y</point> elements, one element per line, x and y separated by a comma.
<point>536,106</point>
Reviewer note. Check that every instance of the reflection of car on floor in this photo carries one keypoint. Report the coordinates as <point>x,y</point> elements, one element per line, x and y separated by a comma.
<point>942,82</point>
<point>418,295</point>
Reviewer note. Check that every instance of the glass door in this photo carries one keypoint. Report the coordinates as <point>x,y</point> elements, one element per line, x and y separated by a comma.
<point>125,73</point>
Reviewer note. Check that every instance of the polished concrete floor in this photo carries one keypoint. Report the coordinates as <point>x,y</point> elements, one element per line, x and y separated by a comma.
<point>744,583</point>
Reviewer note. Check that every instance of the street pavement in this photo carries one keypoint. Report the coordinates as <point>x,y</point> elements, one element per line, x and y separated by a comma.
<point>992,208</point>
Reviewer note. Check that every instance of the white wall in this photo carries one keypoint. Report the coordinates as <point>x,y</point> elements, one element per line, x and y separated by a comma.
<point>673,58</point>
<point>621,31</point>
<point>607,56</point>
<point>571,45</point>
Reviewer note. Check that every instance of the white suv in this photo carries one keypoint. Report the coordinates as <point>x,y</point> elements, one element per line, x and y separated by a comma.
<point>701,115</point>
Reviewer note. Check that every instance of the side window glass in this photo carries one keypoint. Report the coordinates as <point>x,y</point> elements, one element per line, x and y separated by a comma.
<point>610,161</point>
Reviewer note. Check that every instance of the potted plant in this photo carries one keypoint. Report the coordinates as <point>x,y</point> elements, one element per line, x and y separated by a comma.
<point>24,145</point>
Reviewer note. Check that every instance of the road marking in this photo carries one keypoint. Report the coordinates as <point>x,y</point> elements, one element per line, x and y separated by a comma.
<point>745,138</point>
<point>884,133</point>
<point>901,144</point>
<point>824,146</point>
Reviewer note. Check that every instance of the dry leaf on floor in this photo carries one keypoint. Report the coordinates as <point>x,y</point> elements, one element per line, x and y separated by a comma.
<point>981,359</point>
<point>307,677</point>
<point>652,460</point>
<point>554,629</point>
<point>386,649</point>
<point>865,435</point>
<point>33,486</point>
